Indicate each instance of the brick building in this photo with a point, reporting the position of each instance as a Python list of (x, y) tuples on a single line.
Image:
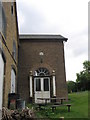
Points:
[(8, 51), (41, 71), (31, 65)]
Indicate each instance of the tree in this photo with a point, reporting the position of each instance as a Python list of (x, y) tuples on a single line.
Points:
[(71, 86), (83, 78)]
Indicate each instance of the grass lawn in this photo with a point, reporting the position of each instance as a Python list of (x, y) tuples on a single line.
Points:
[(79, 108)]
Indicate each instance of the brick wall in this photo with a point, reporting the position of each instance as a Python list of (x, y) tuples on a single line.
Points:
[(7, 48), (29, 60)]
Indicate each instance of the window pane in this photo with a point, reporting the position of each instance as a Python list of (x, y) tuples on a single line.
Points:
[(12, 9), (42, 72), (1, 79), (14, 50), (46, 85), (38, 85), (13, 76)]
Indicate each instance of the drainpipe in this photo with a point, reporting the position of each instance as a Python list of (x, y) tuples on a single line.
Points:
[(30, 78), (54, 83)]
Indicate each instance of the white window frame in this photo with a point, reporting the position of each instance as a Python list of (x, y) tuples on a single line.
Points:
[(13, 80), (1, 80)]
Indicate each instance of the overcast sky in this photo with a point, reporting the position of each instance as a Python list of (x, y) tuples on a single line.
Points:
[(68, 18)]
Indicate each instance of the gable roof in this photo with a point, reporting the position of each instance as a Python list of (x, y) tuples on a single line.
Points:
[(41, 37)]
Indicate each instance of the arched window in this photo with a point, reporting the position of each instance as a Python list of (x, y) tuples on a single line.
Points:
[(1, 79), (41, 72), (13, 80), (14, 50)]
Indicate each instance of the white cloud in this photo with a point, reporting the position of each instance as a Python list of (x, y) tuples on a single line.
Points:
[(66, 17), (74, 65)]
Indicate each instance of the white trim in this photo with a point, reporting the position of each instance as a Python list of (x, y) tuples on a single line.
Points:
[(30, 86), (13, 81), (41, 84), (54, 86), (1, 80)]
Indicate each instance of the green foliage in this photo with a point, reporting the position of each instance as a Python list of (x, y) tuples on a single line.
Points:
[(86, 65), (71, 86), (83, 78)]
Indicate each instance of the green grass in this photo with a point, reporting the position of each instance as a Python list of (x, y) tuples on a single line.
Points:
[(79, 108)]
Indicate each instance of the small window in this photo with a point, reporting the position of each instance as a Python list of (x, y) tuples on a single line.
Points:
[(12, 9), (1, 79), (14, 50), (13, 80), (46, 85), (38, 85)]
